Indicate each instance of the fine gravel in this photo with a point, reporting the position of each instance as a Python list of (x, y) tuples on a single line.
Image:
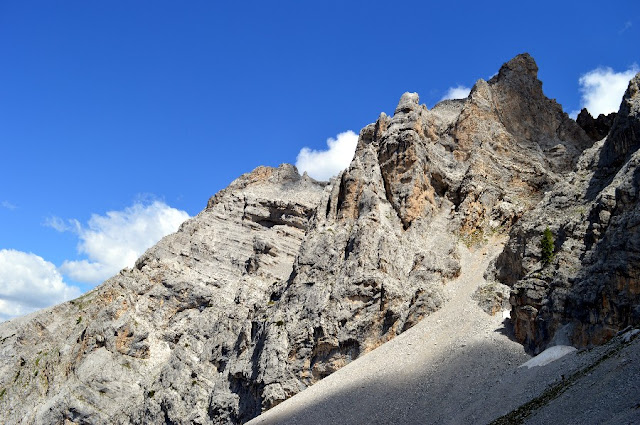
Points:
[(457, 366)]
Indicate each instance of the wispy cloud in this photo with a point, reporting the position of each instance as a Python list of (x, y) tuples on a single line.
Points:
[(115, 240), (62, 225), (627, 25), (602, 89), (324, 164), (8, 205), (28, 283), (458, 92)]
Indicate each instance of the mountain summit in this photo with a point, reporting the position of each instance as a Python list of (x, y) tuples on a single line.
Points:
[(283, 280)]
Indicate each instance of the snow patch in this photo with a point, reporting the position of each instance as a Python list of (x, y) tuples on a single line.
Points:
[(549, 355), (627, 337)]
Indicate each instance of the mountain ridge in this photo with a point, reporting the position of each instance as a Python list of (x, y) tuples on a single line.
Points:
[(282, 280)]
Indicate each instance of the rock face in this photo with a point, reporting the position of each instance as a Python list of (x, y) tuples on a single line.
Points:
[(596, 128), (282, 280), (152, 344), (591, 289)]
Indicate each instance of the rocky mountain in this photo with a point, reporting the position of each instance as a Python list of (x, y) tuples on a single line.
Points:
[(283, 280), (590, 290)]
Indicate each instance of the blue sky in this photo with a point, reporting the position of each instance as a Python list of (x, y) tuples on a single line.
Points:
[(118, 119)]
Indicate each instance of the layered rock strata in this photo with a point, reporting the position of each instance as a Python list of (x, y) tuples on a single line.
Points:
[(282, 280), (172, 339)]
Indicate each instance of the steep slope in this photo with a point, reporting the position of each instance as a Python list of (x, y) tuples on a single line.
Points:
[(404, 381), (451, 371), (282, 280), (146, 346), (590, 290)]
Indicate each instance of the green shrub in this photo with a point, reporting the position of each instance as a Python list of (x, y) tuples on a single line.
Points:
[(547, 246)]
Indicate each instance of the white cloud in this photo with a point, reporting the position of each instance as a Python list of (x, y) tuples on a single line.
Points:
[(602, 89), (322, 165), (459, 92), (28, 283), (61, 226), (115, 240), (8, 205)]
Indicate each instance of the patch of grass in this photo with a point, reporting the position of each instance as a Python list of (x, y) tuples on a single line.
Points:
[(2, 393), (78, 320), (280, 323), (473, 239), (498, 230)]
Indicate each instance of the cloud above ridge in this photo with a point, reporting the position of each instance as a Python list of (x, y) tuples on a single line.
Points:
[(324, 164), (115, 240), (458, 92), (8, 205), (602, 89), (29, 283)]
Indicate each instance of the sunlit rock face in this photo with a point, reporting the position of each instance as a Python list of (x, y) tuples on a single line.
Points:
[(283, 280)]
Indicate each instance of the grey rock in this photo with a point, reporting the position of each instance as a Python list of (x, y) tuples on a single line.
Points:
[(592, 282), (172, 339), (596, 128), (282, 280), (493, 297), (624, 137)]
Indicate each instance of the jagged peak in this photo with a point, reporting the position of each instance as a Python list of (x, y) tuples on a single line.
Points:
[(624, 137), (596, 128), (583, 116), (481, 94), (408, 102), (284, 172), (282, 176), (522, 65)]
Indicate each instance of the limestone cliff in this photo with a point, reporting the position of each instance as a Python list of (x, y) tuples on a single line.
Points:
[(590, 290), (282, 280), (171, 340)]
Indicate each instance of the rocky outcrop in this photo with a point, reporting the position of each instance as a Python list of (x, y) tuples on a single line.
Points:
[(382, 241), (596, 128), (282, 280), (590, 290), (174, 339)]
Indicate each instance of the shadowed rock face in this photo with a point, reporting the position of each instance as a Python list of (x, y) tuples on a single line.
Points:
[(596, 128), (590, 291), (282, 280)]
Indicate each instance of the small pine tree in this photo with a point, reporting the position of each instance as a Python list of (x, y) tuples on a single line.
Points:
[(547, 246)]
